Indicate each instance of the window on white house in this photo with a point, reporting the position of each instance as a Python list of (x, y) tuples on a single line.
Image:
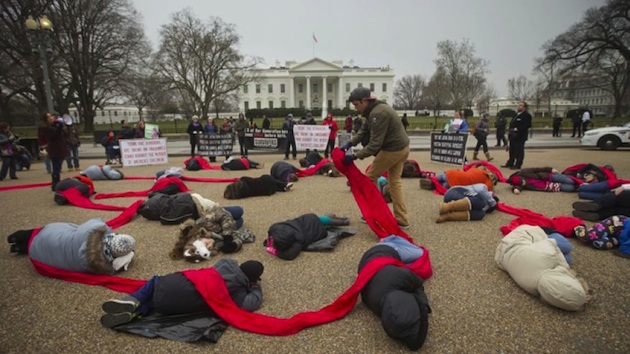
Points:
[(257, 88), (258, 104), (283, 104), (270, 104), (246, 105), (245, 88), (282, 88), (270, 88), (384, 87)]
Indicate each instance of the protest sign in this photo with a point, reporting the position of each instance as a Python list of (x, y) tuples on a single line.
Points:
[(311, 136), (449, 148), (142, 152), (215, 144), (151, 131)]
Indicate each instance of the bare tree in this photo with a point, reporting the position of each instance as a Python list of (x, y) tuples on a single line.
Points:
[(437, 91), (228, 102), (408, 92), (601, 30), (464, 73), (201, 60), (548, 71), (537, 97), (483, 102), (520, 88)]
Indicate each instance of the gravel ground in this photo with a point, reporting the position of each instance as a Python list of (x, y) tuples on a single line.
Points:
[(477, 308)]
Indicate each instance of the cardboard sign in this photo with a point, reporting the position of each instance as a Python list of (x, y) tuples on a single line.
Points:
[(143, 152), (449, 148), (265, 139), (151, 131), (215, 144), (311, 136)]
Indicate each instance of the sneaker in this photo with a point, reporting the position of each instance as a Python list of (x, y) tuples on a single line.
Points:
[(426, 183), (120, 306), (288, 187), (403, 226), (586, 215), (111, 320), (586, 206)]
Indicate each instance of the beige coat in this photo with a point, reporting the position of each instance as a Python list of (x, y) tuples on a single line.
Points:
[(537, 265)]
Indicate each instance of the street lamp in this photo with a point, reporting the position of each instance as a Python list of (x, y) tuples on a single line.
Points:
[(38, 31)]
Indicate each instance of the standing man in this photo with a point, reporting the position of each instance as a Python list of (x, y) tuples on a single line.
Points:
[(266, 122), (239, 127), (332, 125), (388, 143), (577, 124), (519, 127), (500, 124), (288, 126), (586, 120)]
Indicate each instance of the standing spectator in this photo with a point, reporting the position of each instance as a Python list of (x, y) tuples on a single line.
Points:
[(241, 125), (8, 151), (194, 129), (389, 144), (139, 130), (72, 161), (310, 119), (51, 135), (252, 124), (127, 132), (210, 128), (557, 122), (577, 124), (404, 121), (481, 131), (347, 125), (288, 126), (266, 122), (519, 127), (226, 128), (586, 120), (332, 125), (500, 124)]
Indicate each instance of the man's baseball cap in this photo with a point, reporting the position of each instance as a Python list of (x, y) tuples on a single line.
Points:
[(360, 93)]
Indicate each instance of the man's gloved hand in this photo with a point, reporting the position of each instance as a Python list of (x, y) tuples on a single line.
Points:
[(123, 261), (346, 146), (348, 159)]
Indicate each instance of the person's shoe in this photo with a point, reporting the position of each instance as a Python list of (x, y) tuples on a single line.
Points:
[(295, 157), (111, 320), (427, 184), (586, 206), (404, 226), (288, 187), (586, 215), (127, 304), (14, 177), (515, 167)]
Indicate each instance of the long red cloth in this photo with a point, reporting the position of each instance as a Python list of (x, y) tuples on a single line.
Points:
[(75, 198), (24, 186), (203, 163), (159, 184), (611, 176), (311, 170)]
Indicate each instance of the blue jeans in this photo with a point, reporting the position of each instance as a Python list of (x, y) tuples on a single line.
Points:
[(145, 296), (593, 191), (441, 177), (565, 246), (237, 214), (48, 164), (407, 251), (567, 184), (73, 157)]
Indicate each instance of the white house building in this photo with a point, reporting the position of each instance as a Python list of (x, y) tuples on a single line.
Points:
[(315, 83), (559, 107)]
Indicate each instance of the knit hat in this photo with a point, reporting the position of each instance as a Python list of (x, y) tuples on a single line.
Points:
[(404, 318), (515, 181), (119, 244), (253, 270)]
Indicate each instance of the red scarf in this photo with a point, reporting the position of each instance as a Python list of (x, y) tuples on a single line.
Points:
[(158, 185), (311, 171)]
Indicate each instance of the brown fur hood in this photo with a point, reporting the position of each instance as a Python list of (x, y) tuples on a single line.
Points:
[(99, 261)]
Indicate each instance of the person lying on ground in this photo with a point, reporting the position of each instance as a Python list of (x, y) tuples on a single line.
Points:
[(603, 234), (101, 173), (255, 186), (465, 203), (284, 171), (91, 247), (395, 294), (174, 294), (543, 179), (239, 164), (308, 232), (457, 177)]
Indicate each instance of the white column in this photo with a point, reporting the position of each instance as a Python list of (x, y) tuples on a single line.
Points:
[(340, 99), (324, 97), (307, 104), (291, 92)]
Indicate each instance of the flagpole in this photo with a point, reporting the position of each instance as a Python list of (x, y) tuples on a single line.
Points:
[(314, 44)]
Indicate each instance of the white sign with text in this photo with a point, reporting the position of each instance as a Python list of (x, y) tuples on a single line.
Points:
[(143, 152), (311, 136)]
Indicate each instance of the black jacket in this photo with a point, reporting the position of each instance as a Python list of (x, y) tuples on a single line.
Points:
[(281, 170), (169, 209), (263, 185), (519, 126), (292, 236)]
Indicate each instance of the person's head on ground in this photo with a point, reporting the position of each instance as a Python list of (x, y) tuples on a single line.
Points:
[(293, 177), (253, 270), (360, 98), (405, 318), (235, 190)]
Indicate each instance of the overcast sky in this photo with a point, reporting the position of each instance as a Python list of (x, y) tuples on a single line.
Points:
[(400, 33)]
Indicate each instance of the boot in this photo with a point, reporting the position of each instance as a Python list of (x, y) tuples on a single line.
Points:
[(488, 157), (586, 206), (475, 157), (55, 181), (454, 216), (455, 205)]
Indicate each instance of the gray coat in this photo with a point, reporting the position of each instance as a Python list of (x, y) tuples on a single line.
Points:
[(73, 247), (97, 173)]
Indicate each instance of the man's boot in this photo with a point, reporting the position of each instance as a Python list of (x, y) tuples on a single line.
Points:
[(488, 157), (475, 155), (455, 205), (454, 216), (55, 180)]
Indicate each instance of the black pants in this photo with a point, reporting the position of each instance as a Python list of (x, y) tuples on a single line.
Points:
[(577, 127), (612, 204), (241, 143), (481, 142), (193, 144), (501, 138), (290, 144), (556, 130), (517, 153), (331, 146), (585, 127), (8, 165)]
